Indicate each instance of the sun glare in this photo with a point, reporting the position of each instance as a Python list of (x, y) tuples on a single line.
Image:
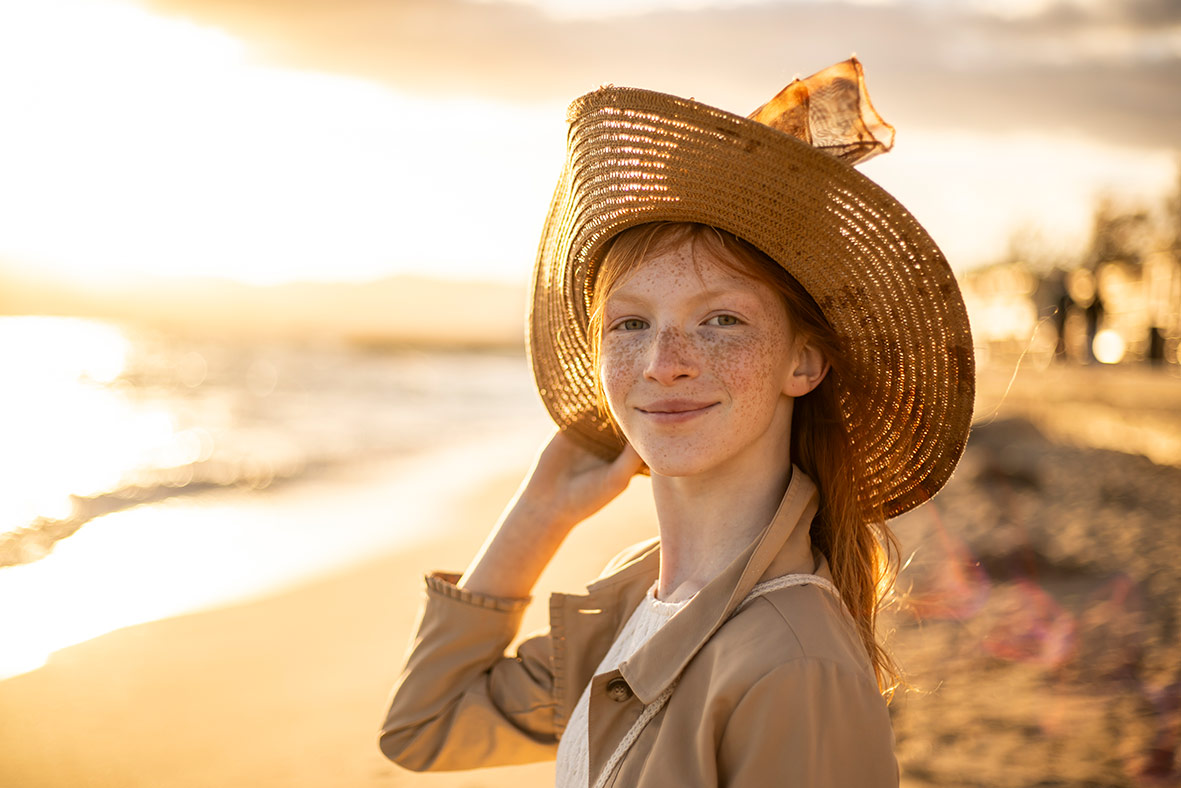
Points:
[(1108, 347), (75, 595), (138, 144), (67, 429), (142, 144)]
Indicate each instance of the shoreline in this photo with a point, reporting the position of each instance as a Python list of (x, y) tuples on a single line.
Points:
[(232, 546), (286, 689)]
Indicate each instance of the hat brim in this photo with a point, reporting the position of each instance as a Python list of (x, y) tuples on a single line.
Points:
[(636, 156)]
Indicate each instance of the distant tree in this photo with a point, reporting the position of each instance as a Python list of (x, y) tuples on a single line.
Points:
[(1119, 234), (1172, 214), (1029, 246)]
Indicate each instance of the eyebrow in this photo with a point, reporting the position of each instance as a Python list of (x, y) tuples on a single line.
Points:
[(708, 295)]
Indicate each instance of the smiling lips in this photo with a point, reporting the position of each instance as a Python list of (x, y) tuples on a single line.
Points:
[(675, 411)]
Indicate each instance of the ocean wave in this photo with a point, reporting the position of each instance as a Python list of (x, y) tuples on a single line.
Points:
[(103, 419)]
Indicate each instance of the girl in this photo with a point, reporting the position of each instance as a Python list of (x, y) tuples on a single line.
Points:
[(721, 302)]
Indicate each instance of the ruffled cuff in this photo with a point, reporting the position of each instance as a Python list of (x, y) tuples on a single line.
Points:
[(444, 584)]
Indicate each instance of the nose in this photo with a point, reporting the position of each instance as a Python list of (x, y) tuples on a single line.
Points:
[(671, 358)]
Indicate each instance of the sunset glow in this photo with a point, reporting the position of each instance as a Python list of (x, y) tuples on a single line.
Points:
[(143, 144), (268, 331), (74, 430), (151, 145)]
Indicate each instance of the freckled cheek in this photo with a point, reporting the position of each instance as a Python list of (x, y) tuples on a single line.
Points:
[(749, 369), (618, 371)]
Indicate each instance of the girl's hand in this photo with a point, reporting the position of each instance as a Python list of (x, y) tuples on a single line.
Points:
[(566, 485)]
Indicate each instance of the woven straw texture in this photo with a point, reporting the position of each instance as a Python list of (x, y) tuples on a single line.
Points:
[(636, 156)]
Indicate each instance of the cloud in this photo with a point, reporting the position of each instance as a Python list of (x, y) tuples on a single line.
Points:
[(1107, 74), (1141, 13)]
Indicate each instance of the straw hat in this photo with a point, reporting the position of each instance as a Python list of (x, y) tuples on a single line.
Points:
[(776, 179)]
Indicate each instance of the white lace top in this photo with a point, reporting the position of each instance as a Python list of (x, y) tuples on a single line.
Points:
[(573, 767)]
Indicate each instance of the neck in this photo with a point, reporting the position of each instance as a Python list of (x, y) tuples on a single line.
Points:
[(708, 520)]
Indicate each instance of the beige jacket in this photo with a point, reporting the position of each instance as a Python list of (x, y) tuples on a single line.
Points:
[(780, 694)]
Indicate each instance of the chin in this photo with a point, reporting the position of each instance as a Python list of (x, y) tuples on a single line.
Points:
[(714, 452), (677, 461), (673, 470)]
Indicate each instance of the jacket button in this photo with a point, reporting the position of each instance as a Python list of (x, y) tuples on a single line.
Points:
[(618, 691)]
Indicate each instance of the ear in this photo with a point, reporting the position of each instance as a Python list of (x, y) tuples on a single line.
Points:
[(808, 368)]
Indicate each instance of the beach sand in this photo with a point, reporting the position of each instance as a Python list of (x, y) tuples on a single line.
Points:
[(1039, 624), (1040, 637), (288, 690)]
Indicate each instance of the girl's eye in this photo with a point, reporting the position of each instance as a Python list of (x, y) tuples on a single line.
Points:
[(723, 320), (633, 324)]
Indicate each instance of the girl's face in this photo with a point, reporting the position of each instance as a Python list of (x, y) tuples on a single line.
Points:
[(700, 365)]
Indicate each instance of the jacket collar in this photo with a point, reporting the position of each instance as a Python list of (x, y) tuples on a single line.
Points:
[(784, 546)]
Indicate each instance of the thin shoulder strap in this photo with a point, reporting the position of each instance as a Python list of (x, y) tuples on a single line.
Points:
[(785, 581), (653, 708)]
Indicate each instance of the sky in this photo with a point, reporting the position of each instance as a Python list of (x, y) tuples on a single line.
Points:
[(282, 140)]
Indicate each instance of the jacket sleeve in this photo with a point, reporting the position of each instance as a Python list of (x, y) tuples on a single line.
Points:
[(460, 702), (813, 723)]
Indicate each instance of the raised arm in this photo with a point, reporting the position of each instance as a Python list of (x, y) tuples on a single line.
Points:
[(460, 703), (566, 485)]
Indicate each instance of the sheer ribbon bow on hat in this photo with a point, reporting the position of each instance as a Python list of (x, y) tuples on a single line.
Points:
[(830, 111)]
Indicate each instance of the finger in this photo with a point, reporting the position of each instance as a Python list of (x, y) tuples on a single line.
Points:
[(626, 465)]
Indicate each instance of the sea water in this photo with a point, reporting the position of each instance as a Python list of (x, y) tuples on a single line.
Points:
[(146, 475)]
